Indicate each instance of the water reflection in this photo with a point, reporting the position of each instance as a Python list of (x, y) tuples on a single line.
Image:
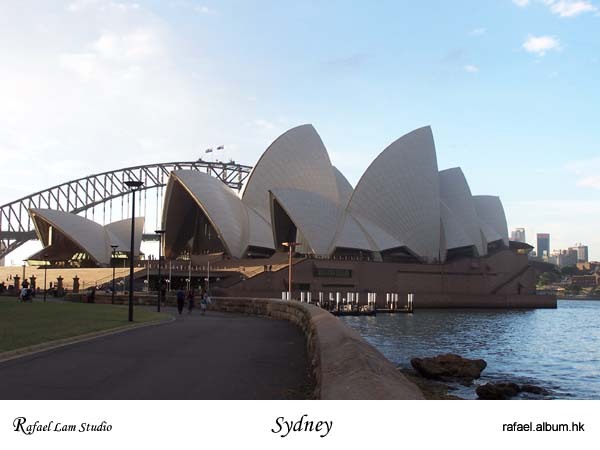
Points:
[(557, 349)]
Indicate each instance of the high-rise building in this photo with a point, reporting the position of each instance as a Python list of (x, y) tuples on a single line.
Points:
[(543, 245), (518, 235), (564, 258), (582, 252)]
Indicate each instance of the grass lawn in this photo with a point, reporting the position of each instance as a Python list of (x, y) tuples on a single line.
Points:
[(25, 324)]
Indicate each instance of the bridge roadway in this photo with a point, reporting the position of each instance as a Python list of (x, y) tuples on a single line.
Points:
[(216, 356)]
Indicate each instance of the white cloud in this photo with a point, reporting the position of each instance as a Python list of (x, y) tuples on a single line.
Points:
[(85, 65), (129, 46), (471, 68), (570, 8), (265, 124), (541, 44), (563, 8), (203, 9), (592, 181), (116, 56), (478, 31), (586, 172), (81, 5), (109, 87)]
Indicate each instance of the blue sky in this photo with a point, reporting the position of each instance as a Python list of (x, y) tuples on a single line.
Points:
[(509, 87)]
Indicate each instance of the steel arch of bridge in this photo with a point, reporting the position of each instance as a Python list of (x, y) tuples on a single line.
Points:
[(85, 193)]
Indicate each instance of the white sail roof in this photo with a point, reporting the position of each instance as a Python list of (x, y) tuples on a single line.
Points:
[(400, 194), (219, 203), (91, 237), (295, 160), (119, 233), (316, 217), (351, 235), (345, 189), (259, 230), (455, 235), (492, 218), (456, 195), (400, 202)]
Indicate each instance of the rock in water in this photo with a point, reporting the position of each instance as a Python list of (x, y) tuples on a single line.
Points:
[(449, 366), (533, 389), (497, 391)]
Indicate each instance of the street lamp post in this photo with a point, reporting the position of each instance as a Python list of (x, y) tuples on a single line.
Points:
[(160, 235), (24, 279), (45, 273), (134, 185), (291, 246), (114, 248), (208, 279)]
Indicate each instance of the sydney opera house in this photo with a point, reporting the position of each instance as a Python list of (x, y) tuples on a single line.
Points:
[(402, 209), (406, 227), (66, 236)]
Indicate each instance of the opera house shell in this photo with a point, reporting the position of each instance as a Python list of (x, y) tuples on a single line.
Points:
[(405, 228), (403, 208), (68, 237)]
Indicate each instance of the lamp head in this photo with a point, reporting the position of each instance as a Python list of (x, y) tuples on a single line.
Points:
[(134, 184)]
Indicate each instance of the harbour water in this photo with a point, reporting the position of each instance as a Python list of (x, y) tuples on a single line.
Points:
[(558, 349)]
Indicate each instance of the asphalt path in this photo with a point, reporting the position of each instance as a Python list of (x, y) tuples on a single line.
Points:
[(215, 356)]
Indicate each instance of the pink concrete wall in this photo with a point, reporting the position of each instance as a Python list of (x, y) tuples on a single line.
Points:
[(501, 280)]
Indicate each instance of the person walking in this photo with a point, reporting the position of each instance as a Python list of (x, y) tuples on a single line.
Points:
[(190, 297), (163, 293), (24, 296), (203, 302), (180, 300)]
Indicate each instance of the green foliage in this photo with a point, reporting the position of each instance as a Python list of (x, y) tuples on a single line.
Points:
[(569, 271), (575, 289), (549, 278)]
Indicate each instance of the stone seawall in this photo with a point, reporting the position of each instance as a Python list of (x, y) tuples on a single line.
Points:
[(344, 365)]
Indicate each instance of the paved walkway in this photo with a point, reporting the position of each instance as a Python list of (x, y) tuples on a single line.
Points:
[(216, 356)]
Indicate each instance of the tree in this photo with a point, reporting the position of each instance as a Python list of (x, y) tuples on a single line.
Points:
[(549, 277), (575, 289), (569, 271)]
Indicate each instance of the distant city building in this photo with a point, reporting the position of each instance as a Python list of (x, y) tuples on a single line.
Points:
[(590, 266), (585, 280), (543, 245), (563, 258), (518, 235), (582, 252)]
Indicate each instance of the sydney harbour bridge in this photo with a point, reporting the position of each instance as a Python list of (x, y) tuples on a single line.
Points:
[(104, 197)]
